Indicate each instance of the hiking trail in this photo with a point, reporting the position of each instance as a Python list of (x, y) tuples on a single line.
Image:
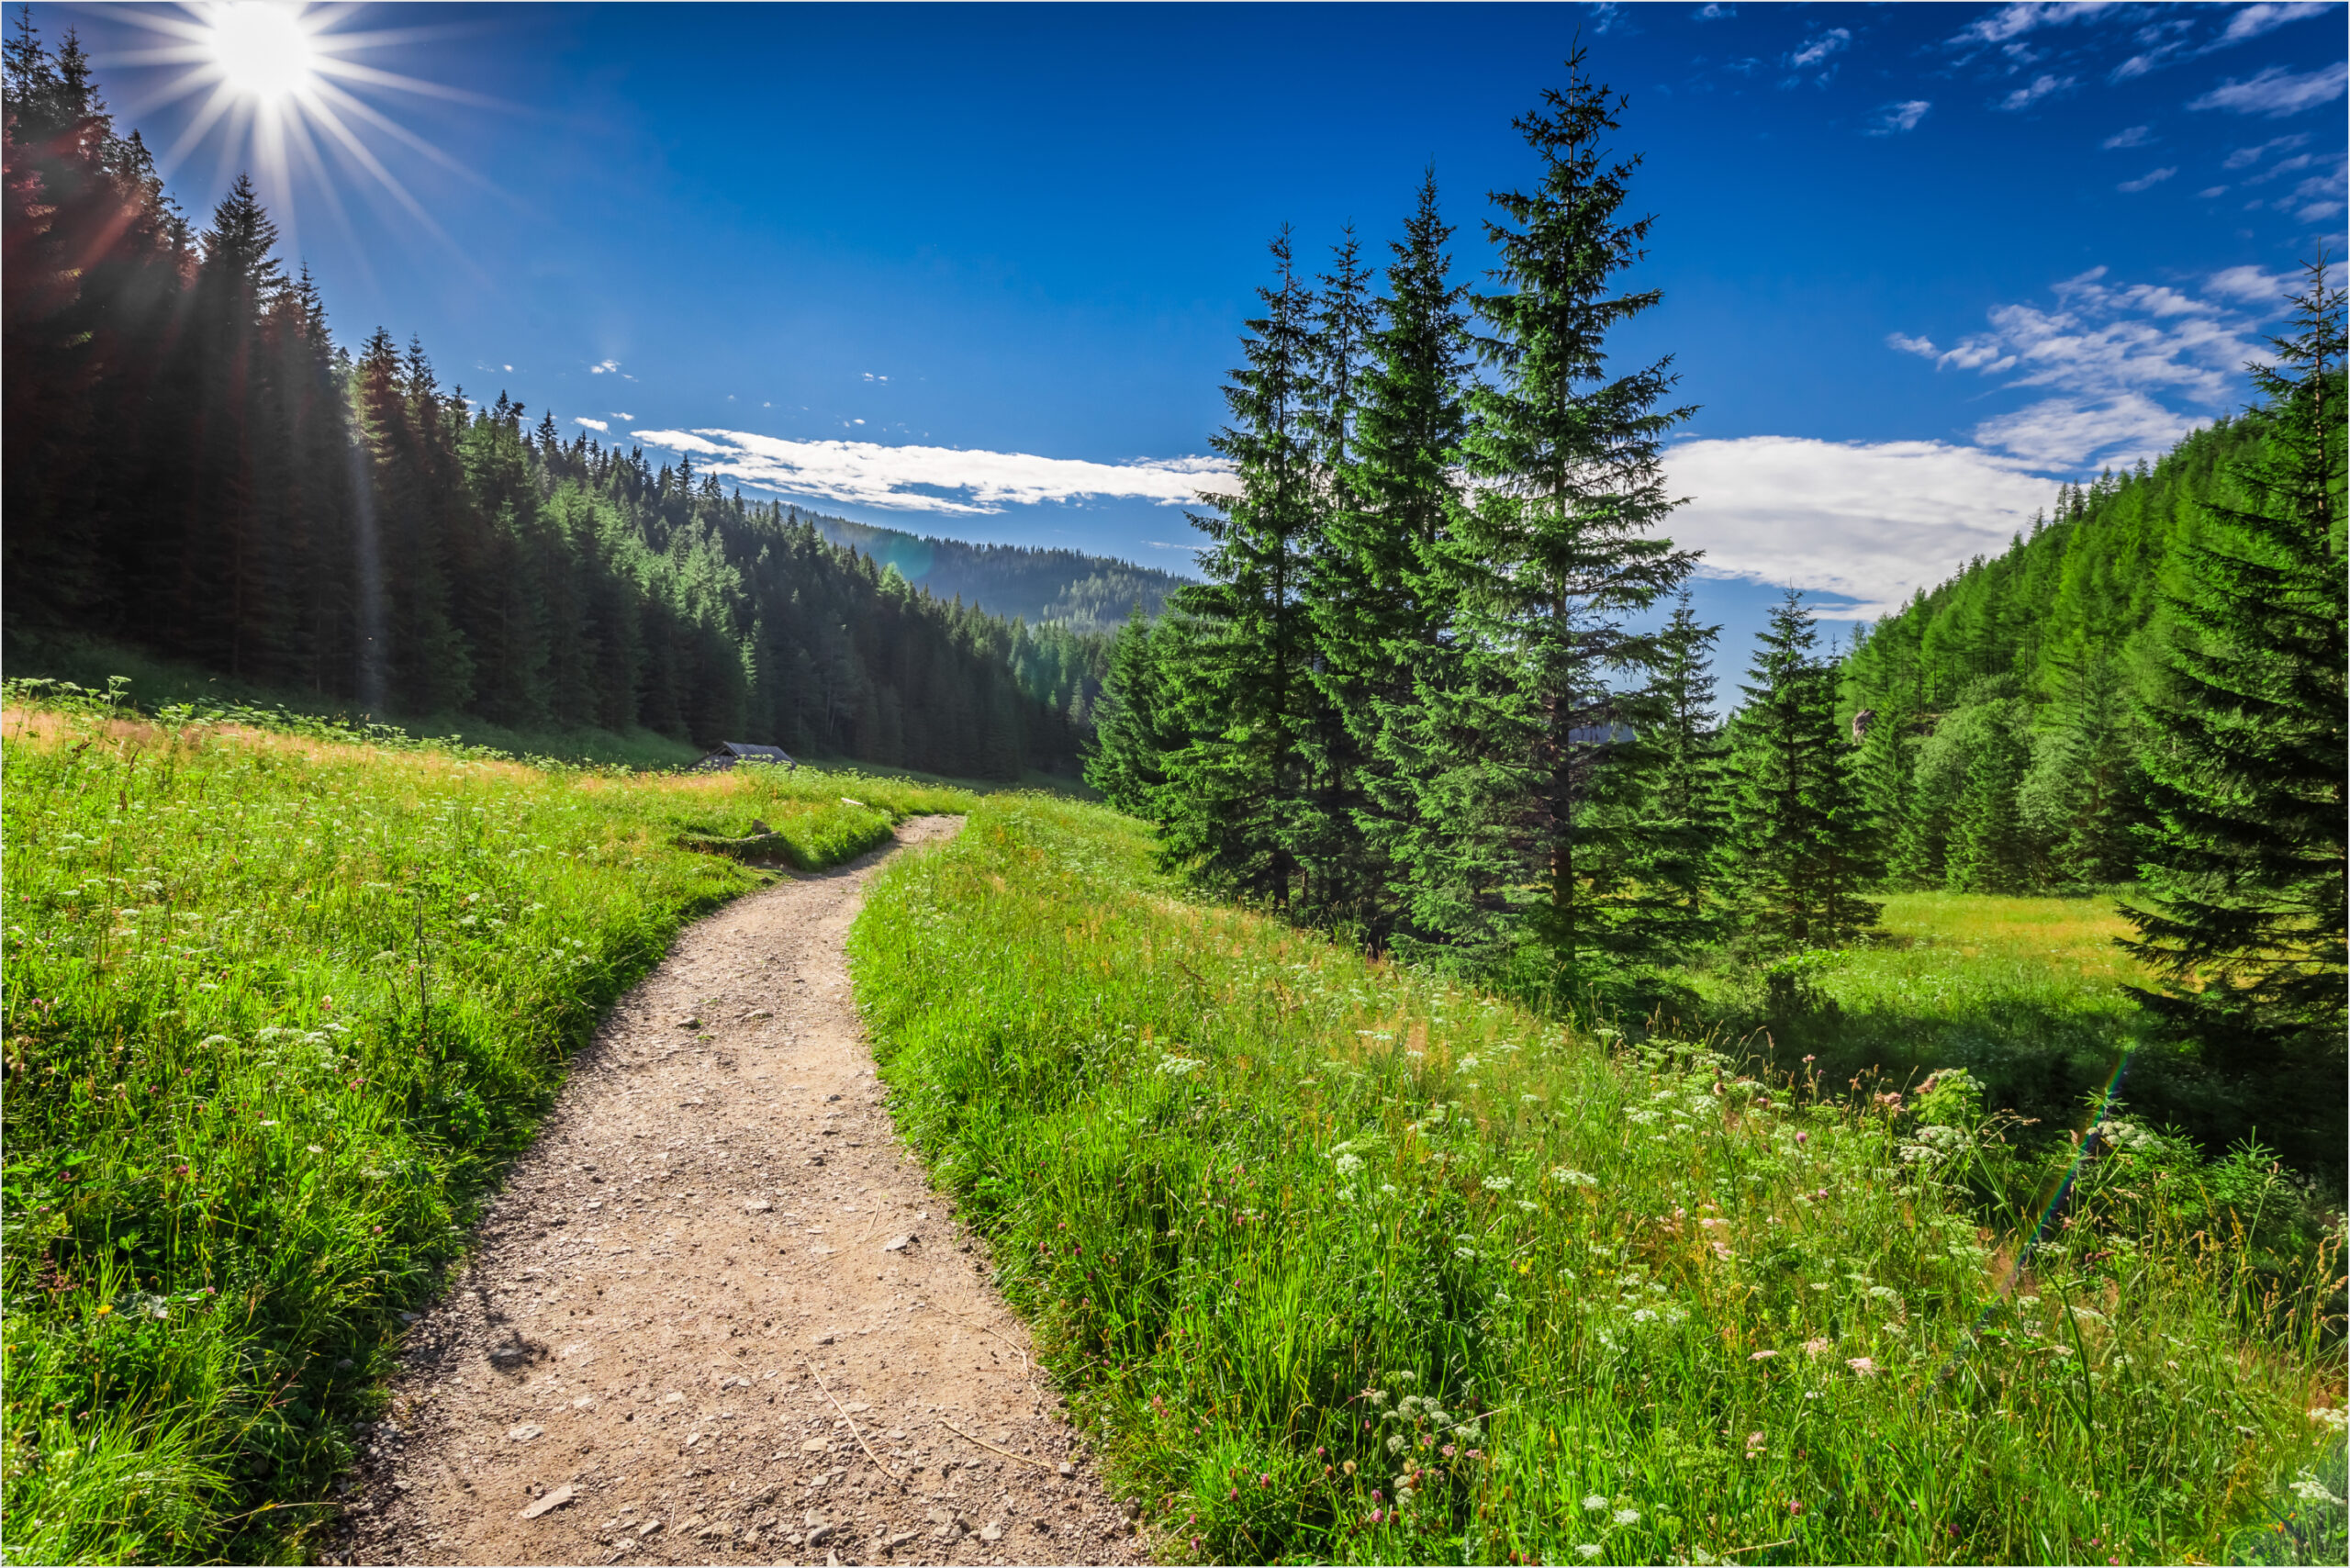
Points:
[(717, 1313)]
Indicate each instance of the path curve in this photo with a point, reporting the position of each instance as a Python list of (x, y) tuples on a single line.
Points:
[(714, 1283)]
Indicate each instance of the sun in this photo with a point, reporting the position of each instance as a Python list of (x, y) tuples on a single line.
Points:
[(261, 50), (280, 91)]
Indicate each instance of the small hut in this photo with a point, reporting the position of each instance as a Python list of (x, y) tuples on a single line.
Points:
[(729, 753)]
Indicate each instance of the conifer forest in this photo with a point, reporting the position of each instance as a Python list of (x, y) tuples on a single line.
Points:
[(1414, 1045)]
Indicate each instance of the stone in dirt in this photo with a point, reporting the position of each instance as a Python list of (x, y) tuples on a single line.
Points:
[(551, 1501), (523, 1433), (899, 1245)]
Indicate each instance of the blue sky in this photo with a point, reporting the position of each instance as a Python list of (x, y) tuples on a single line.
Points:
[(980, 271)]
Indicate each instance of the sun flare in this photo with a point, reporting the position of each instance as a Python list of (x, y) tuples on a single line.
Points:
[(280, 91), (263, 50)]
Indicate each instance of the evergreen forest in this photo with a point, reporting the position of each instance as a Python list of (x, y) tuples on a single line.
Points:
[(194, 466), (1444, 692), (1041, 586)]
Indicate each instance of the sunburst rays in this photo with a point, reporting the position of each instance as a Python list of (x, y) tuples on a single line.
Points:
[(282, 93)]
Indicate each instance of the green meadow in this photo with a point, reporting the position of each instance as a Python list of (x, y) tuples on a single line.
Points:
[(281, 1003), (1341, 1262)]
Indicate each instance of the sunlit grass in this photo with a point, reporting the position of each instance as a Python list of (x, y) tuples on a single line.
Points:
[(279, 1006), (1346, 1263)]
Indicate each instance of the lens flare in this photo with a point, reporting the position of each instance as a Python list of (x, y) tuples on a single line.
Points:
[(279, 91), (262, 50)]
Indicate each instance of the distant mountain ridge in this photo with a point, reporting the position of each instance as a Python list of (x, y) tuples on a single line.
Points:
[(1068, 588)]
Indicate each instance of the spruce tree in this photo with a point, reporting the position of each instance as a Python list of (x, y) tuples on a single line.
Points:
[(1799, 847), (1340, 884), (2244, 863), (1570, 486), (1234, 805), (1684, 811), (1988, 851), (1401, 541)]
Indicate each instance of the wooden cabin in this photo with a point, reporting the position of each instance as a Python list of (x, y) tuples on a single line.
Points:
[(729, 753)]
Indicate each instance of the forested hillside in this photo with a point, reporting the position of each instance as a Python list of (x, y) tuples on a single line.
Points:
[(192, 464), (2002, 705), (1041, 586), (1424, 698)]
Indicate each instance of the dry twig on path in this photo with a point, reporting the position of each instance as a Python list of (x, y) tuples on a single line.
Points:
[(1022, 1458), (895, 1480)]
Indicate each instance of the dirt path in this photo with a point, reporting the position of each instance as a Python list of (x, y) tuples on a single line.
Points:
[(718, 1316)]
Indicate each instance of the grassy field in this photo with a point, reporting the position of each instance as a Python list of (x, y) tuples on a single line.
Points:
[(2027, 995), (1343, 1263), (279, 1007)]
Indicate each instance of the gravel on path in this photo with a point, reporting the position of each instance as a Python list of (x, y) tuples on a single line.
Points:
[(717, 1315)]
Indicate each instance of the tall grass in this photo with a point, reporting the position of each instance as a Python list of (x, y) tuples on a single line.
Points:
[(279, 1006), (2029, 995), (1343, 1262)]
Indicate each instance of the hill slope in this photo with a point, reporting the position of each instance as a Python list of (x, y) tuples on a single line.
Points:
[(1068, 588)]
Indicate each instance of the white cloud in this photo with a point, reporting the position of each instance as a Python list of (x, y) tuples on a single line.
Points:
[(2136, 136), (2254, 21), (1894, 119), (1816, 49), (621, 416), (605, 367), (2209, 192), (2250, 285), (933, 479), (2276, 92), (2040, 87), (2146, 180), (2245, 157), (2014, 22), (1875, 520), (2113, 359), (597, 425), (2064, 432), (1713, 12)]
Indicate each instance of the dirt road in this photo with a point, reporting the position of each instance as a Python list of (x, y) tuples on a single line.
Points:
[(718, 1316)]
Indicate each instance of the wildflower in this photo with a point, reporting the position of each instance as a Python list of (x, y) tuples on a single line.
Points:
[(1803, 1138), (1574, 1177), (1594, 1503), (1587, 1551), (1863, 1365), (313, 1149), (1816, 1347), (2310, 1489), (1626, 1516), (2328, 1417), (1763, 1355), (1496, 1183)]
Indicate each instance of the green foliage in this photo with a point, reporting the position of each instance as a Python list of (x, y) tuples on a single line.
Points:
[(1235, 803), (284, 998), (1067, 588), (2245, 918), (1801, 845), (194, 466), (1343, 1262)]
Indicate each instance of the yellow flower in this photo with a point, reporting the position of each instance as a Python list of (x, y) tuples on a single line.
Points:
[(104, 1309)]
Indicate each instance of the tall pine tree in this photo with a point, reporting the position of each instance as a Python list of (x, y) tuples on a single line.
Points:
[(1237, 796), (2245, 864), (1529, 739), (1800, 846)]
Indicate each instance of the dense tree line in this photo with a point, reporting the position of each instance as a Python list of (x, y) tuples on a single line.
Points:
[(194, 464), (2005, 707), (1039, 586), (1429, 693)]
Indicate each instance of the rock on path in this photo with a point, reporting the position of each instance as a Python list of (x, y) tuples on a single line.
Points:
[(717, 1315)]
